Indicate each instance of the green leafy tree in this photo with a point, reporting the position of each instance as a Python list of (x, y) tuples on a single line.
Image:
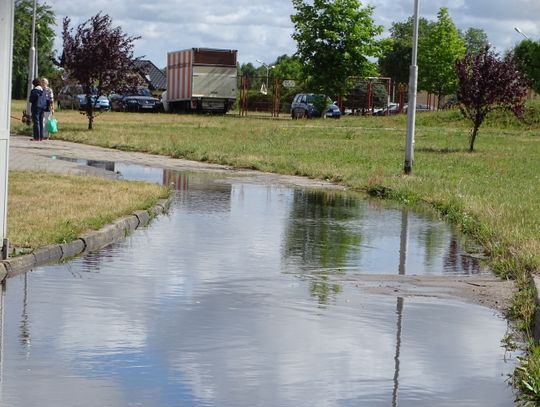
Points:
[(22, 37), (357, 98), (438, 52), (396, 57), (247, 69), (487, 83), (335, 38), (527, 55), (288, 67), (475, 39)]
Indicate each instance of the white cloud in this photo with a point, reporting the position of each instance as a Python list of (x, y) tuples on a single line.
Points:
[(261, 29)]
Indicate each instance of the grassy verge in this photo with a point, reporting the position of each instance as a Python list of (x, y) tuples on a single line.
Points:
[(47, 208), (493, 194)]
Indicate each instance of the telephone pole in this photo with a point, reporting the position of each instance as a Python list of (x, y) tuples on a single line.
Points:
[(7, 11), (411, 107)]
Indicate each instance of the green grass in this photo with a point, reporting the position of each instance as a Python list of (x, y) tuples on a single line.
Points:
[(65, 206), (492, 194)]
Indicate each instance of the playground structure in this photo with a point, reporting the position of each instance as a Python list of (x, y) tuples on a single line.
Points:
[(368, 96), (257, 98)]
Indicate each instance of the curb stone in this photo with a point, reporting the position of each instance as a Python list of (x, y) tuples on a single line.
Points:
[(87, 242), (20, 264), (3, 271), (72, 249), (536, 331), (48, 254), (143, 216), (128, 224)]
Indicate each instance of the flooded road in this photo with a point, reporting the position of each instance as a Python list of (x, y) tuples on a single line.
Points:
[(240, 296)]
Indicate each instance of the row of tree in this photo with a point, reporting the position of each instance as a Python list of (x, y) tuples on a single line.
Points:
[(336, 41)]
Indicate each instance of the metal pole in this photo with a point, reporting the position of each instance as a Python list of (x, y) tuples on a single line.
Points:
[(522, 33), (6, 55), (32, 66), (411, 108)]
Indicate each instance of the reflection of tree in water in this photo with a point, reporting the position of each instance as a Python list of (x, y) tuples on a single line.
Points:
[(320, 237), (456, 260), (433, 239), (323, 290)]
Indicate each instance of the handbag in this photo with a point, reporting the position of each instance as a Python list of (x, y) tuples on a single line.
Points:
[(52, 125)]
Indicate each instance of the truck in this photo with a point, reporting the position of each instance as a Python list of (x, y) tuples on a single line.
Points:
[(200, 80)]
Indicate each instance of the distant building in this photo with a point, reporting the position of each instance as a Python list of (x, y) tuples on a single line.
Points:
[(154, 77)]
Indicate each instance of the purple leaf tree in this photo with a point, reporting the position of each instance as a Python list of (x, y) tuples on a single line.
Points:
[(100, 58), (487, 83)]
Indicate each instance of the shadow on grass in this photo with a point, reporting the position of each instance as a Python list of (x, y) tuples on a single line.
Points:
[(445, 150)]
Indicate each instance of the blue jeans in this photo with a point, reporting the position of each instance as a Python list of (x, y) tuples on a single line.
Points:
[(37, 124)]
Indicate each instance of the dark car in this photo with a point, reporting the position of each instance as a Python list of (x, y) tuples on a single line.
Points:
[(304, 105), (141, 100), (73, 97)]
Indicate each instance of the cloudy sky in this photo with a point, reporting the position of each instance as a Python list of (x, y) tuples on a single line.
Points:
[(261, 29)]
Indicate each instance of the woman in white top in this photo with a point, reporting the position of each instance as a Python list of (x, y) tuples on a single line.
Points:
[(49, 110)]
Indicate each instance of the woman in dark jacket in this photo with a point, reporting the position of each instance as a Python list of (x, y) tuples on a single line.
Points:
[(38, 103)]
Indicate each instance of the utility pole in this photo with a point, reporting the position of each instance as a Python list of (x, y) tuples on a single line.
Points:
[(7, 11), (411, 107), (32, 64)]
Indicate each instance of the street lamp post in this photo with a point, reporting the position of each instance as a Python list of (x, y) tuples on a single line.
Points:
[(32, 65), (6, 55), (522, 33), (267, 70), (411, 108)]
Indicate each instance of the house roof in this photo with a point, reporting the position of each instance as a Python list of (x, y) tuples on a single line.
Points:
[(155, 78)]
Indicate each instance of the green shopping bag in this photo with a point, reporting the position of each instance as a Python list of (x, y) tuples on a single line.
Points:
[(52, 125)]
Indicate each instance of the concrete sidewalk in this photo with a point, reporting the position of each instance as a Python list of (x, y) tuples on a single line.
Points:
[(51, 156)]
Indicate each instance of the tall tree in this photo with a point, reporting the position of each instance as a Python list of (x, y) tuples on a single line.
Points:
[(395, 61), (437, 55), (99, 57), (475, 39), (22, 37), (247, 69), (288, 67), (527, 54), (335, 38), (487, 83)]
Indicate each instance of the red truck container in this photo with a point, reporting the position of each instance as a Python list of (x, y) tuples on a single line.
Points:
[(201, 79)]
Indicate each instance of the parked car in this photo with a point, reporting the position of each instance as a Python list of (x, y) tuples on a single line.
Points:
[(303, 105), (392, 108), (141, 100), (73, 97), (333, 111), (420, 107)]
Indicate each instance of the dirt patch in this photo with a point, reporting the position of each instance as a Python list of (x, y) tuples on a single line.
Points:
[(488, 291)]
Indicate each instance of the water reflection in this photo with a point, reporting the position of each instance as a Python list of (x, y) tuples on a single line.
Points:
[(236, 299), (144, 343), (399, 313), (25, 328)]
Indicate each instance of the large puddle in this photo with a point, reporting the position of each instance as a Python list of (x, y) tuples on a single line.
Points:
[(232, 300)]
